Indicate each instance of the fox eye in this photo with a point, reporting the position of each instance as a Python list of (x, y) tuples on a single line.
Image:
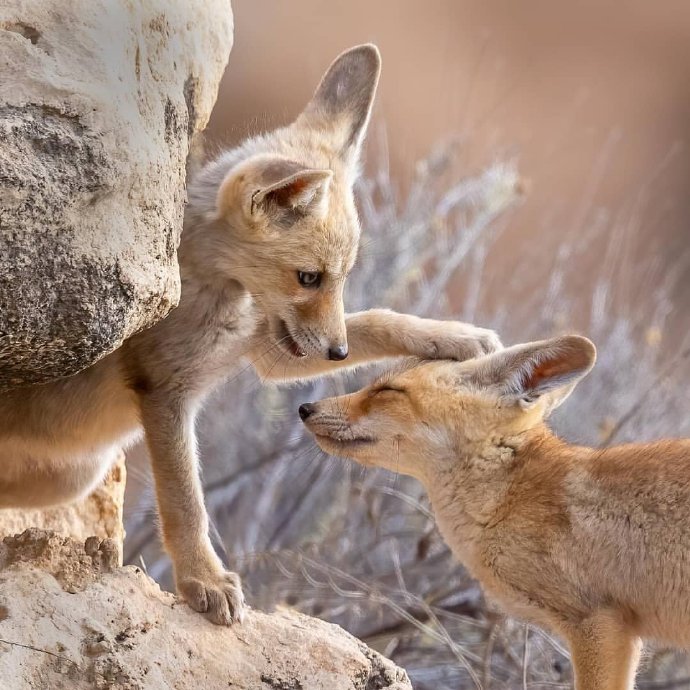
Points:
[(310, 279), (387, 389)]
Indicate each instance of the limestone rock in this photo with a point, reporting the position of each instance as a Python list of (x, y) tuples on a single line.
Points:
[(72, 564), (88, 625), (98, 102)]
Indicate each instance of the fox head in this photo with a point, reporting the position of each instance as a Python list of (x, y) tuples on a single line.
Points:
[(285, 219), (431, 413)]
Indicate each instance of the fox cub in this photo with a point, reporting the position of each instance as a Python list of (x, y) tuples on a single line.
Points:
[(593, 544), (270, 235)]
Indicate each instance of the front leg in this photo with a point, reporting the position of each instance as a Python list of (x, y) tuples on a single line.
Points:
[(199, 574), (380, 334)]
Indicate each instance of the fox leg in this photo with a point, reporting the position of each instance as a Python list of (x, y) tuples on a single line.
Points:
[(605, 653), (33, 479), (379, 334), (199, 574)]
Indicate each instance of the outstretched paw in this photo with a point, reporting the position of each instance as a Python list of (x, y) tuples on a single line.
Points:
[(219, 596), (460, 342), (487, 341)]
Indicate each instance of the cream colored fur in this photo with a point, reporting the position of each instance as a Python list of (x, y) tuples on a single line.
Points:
[(592, 544), (277, 205)]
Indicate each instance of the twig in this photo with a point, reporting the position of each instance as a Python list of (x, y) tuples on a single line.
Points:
[(664, 684), (365, 590), (43, 651), (488, 652), (525, 658)]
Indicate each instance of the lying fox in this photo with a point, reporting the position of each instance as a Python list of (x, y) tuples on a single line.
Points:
[(270, 236), (593, 544)]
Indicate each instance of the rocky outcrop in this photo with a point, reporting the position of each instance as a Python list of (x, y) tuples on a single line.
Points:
[(70, 618), (98, 102)]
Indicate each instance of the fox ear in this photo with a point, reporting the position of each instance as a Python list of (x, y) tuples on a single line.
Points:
[(274, 187), (342, 103), (546, 371), (296, 193)]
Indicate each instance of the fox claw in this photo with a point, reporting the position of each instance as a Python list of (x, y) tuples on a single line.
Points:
[(489, 341), (465, 344), (219, 597)]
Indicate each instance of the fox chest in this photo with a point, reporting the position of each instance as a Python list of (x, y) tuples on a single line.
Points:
[(215, 347), (198, 345), (513, 569)]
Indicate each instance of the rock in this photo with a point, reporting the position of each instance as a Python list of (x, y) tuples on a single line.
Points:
[(98, 515), (98, 102), (69, 619), (72, 564)]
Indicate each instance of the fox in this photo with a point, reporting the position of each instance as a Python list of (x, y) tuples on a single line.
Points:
[(270, 234), (591, 544)]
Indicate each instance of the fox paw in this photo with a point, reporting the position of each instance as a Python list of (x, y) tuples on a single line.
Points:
[(466, 343), (219, 596), (487, 341)]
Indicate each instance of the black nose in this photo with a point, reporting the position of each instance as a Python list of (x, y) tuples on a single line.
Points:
[(337, 353), (306, 410)]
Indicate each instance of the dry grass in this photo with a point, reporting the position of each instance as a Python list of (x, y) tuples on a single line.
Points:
[(360, 548)]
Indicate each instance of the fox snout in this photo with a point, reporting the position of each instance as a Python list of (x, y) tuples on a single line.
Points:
[(338, 352), (306, 410), (304, 341), (325, 419), (330, 424), (320, 325)]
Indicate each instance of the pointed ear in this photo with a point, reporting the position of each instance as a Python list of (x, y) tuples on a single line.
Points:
[(546, 371), (274, 188), (343, 100), (297, 192)]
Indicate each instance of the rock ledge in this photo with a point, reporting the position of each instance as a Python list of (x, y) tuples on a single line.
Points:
[(70, 618)]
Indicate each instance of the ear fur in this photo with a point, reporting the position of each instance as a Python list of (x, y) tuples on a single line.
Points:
[(342, 103), (546, 370), (298, 191), (274, 186)]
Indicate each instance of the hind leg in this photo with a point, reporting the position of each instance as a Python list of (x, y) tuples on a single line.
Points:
[(29, 481)]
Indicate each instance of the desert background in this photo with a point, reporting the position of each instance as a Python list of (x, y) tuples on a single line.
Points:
[(590, 98), (536, 155)]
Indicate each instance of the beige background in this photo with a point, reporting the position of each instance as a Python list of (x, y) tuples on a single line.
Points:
[(592, 98)]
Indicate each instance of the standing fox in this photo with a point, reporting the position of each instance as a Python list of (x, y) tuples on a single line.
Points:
[(270, 236), (594, 544)]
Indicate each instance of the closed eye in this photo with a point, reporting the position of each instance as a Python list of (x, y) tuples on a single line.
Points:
[(388, 389)]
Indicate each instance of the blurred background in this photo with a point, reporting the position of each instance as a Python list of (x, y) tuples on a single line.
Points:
[(592, 98), (527, 168)]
